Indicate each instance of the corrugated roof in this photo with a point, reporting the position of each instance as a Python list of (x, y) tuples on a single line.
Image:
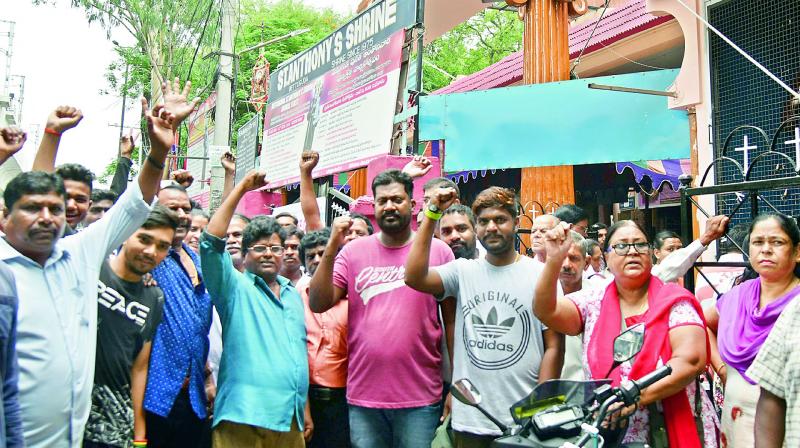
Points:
[(617, 24)]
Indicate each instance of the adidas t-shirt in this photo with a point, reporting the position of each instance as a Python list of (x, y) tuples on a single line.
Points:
[(498, 341), (393, 334)]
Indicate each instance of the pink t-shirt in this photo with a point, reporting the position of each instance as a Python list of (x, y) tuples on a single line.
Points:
[(394, 334)]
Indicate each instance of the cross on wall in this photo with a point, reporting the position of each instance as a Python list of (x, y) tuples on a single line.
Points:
[(745, 150), (796, 143)]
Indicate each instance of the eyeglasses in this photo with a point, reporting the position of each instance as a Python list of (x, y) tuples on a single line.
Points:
[(579, 228), (260, 249), (641, 247)]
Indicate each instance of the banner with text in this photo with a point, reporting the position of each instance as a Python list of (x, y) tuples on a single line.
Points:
[(246, 147), (337, 98), (201, 134)]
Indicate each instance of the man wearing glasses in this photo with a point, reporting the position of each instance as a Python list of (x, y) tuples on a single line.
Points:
[(265, 359)]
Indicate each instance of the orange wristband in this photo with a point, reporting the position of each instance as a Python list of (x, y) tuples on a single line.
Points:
[(52, 131)]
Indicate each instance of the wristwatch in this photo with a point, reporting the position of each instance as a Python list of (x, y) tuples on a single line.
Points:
[(433, 212)]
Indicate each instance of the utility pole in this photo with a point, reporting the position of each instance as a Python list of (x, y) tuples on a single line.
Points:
[(223, 111)]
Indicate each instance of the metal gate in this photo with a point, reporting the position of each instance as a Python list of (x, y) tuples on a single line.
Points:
[(759, 195)]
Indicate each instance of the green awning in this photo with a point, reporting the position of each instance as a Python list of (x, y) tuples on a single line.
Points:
[(562, 123)]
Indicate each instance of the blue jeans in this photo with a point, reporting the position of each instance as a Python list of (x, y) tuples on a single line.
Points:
[(397, 428)]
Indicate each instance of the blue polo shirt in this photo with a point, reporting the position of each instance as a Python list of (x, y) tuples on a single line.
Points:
[(263, 373)]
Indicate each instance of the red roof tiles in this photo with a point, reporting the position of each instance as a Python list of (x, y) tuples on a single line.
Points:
[(617, 24)]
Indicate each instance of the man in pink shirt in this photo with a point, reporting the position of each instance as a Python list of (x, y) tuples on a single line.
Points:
[(393, 381)]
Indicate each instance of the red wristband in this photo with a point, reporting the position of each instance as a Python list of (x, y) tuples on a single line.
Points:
[(52, 131)]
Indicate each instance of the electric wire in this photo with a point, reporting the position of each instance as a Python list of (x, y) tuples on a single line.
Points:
[(586, 45)]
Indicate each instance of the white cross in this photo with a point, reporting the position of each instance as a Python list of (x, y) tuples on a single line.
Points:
[(745, 149), (796, 143)]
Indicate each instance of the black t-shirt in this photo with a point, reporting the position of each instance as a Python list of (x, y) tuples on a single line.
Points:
[(127, 317)]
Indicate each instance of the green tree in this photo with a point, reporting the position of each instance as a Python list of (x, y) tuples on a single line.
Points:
[(188, 53), (264, 21), (479, 42)]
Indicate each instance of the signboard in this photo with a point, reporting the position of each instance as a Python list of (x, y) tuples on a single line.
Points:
[(201, 134), (337, 98), (297, 211), (246, 147)]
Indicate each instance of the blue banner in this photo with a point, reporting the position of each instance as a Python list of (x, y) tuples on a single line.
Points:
[(560, 123)]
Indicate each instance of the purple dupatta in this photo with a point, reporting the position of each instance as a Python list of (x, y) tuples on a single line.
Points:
[(743, 327)]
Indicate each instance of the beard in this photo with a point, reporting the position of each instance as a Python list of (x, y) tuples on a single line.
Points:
[(499, 244), (139, 265), (463, 250), (399, 224)]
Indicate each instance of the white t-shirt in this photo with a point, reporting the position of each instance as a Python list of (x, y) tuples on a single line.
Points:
[(498, 340)]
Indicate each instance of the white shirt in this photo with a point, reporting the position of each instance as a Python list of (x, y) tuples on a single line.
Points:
[(498, 341), (57, 324)]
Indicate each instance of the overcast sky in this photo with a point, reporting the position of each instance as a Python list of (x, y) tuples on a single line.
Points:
[(64, 61)]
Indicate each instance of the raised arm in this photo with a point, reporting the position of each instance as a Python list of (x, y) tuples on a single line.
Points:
[(11, 140), (58, 122), (418, 274), (162, 122), (676, 264), (228, 161), (417, 167), (308, 199), (323, 294), (120, 181), (218, 226), (557, 313)]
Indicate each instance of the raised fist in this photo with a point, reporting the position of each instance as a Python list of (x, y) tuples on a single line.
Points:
[(126, 145), (183, 177), (11, 141), (308, 161), (228, 161), (340, 228), (254, 180), (443, 197), (63, 118)]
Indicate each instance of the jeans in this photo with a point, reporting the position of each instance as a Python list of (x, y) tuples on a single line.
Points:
[(331, 417), (397, 428), (182, 429)]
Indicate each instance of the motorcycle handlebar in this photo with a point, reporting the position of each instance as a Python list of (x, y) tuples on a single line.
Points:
[(656, 375)]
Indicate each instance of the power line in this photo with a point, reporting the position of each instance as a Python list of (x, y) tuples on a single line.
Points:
[(200, 40), (585, 45)]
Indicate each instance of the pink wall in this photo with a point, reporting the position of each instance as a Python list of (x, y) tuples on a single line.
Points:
[(364, 204), (259, 203)]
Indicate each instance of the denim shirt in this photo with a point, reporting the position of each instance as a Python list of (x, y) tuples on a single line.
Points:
[(180, 346)]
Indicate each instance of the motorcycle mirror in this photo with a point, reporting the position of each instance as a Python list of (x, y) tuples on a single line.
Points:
[(464, 391), (629, 343)]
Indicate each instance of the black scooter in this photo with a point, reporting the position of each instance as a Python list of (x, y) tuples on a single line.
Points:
[(569, 414)]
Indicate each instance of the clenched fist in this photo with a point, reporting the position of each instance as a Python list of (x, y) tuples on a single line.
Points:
[(63, 118)]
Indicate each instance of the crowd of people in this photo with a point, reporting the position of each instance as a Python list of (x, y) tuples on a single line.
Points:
[(132, 317)]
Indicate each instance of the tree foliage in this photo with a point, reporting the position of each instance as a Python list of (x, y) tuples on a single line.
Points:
[(473, 45), (177, 38)]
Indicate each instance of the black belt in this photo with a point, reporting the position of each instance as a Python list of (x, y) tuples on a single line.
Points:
[(326, 393)]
